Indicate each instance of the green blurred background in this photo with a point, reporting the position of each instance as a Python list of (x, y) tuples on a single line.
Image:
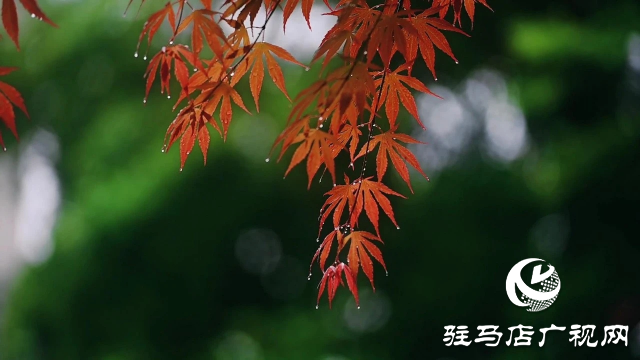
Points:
[(108, 252)]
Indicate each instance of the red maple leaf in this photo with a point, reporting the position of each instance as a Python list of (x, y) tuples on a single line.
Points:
[(325, 248), (389, 147), (429, 33), (10, 17), (332, 277), (9, 97), (469, 5)]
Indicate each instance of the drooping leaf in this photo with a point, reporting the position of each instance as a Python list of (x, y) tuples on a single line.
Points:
[(332, 277), (204, 25), (254, 60), (319, 148), (152, 25), (390, 148), (191, 125), (394, 93), (325, 248), (220, 93), (429, 37), (10, 20), (361, 249), (163, 61), (10, 17), (248, 9), (469, 6), (306, 10), (9, 97), (390, 34), (355, 197)]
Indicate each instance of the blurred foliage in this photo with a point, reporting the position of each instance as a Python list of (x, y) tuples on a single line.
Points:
[(145, 264)]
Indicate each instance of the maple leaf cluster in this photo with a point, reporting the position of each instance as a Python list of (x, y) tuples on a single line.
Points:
[(9, 96), (339, 115)]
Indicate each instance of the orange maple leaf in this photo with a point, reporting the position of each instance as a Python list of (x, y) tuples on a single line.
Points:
[(248, 9), (162, 60), (203, 23), (359, 195), (306, 10), (390, 35), (191, 124), (318, 147), (389, 147), (220, 93), (348, 131), (394, 92), (258, 52), (152, 25), (360, 251)]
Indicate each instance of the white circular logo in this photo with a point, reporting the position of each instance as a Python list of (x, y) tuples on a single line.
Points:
[(544, 288)]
